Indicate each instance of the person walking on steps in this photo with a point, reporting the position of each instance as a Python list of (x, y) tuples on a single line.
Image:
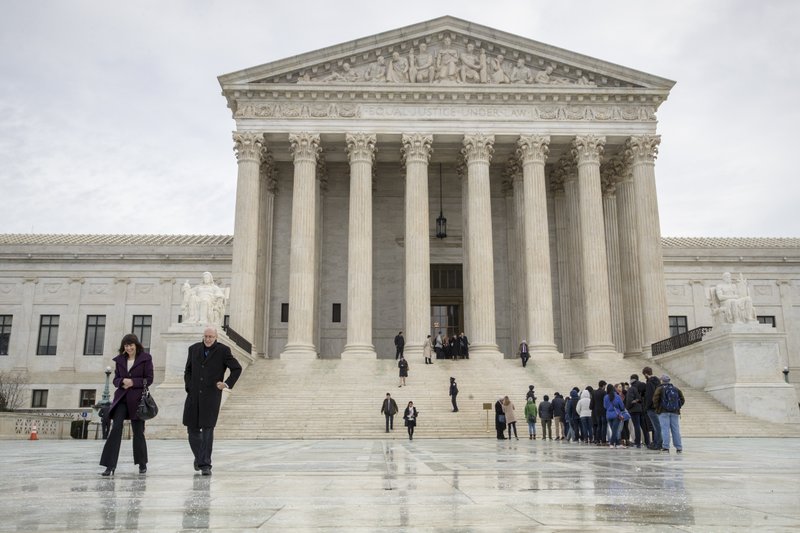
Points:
[(389, 409), (524, 354), (427, 348), (399, 344), (453, 394), (402, 364), (410, 416)]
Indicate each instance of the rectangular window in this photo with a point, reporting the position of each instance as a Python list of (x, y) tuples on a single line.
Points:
[(39, 398), (336, 316), (142, 328), (766, 319), (677, 325), (95, 335), (87, 397), (5, 333), (284, 312), (48, 335)]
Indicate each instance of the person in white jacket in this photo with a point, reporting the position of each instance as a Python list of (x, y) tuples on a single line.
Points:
[(585, 412)]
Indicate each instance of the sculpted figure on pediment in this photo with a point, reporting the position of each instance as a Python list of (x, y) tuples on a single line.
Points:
[(473, 67), (377, 71), (347, 75), (421, 66), (447, 63), (521, 73), (398, 69), (498, 74)]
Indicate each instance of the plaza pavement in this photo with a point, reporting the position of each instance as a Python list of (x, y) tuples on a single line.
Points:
[(395, 485)]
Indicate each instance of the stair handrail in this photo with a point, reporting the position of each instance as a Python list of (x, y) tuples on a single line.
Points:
[(680, 340), (240, 341)]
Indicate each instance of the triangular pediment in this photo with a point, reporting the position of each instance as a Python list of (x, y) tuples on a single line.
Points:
[(444, 52)]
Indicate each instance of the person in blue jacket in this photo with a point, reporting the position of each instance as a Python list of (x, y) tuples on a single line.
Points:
[(614, 407)]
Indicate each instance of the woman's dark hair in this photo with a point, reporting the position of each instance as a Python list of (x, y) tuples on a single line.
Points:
[(610, 391), (130, 338)]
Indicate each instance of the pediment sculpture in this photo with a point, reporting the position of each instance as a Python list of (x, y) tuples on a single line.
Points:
[(446, 63), (204, 303), (730, 302)]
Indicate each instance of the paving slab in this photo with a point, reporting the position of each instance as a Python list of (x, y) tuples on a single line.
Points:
[(389, 485)]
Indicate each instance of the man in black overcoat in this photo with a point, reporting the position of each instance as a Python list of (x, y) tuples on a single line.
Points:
[(204, 374)]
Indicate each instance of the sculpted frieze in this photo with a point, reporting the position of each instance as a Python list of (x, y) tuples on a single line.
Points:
[(445, 60), (554, 112)]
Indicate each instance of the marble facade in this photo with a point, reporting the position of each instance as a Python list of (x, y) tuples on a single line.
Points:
[(547, 162)]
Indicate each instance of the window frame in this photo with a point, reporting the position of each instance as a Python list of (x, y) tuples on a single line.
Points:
[(98, 335), (767, 319), (41, 396), (6, 322), (91, 403), (677, 327), (52, 331), (140, 334)]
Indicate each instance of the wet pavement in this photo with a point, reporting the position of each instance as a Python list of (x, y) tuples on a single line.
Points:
[(397, 485)]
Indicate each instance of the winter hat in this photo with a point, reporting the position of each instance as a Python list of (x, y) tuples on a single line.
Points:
[(665, 379)]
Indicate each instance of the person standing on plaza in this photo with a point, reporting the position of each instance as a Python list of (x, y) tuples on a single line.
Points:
[(410, 417), (389, 409), (402, 364), (530, 416), (204, 374), (633, 403), (599, 423), (453, 394), (427, 348), (464, 345), (614, 407), (584, 412), (524, 354), (651, 384), (511, 417), (546, 416), (133, 372), (499, 419), (558, 415), (668, 400), (399, 344)]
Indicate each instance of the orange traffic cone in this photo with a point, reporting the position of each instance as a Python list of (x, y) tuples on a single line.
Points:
[(34, 433)]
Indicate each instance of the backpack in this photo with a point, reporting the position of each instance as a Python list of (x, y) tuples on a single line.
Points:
[(670, 399)]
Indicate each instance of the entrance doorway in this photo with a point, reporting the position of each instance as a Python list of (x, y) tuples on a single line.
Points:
[(447, 299)]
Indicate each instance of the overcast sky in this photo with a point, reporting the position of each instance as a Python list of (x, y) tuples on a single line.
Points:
[(111, 118)]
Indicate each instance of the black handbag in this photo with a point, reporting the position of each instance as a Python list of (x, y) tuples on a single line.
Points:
[(147, 406)]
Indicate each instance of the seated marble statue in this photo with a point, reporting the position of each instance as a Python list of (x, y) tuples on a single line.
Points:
[(204, 303), (730, 302)]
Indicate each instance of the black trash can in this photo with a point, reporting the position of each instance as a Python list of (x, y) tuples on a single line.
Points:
[(79, 429)]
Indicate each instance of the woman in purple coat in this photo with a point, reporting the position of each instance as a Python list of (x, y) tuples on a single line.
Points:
[(133, 372)]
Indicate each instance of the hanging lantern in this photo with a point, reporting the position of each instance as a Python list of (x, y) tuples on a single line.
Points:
[(441, 222)]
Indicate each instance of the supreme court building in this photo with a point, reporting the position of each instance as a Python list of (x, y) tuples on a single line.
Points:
[(541, 161)]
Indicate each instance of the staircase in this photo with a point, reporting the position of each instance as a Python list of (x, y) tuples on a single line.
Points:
[(339, 399)]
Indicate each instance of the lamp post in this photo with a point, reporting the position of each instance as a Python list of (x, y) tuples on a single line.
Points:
[(786, 374), (105, 403), (441, 222)]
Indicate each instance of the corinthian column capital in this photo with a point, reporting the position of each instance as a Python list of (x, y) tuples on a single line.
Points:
[(642, 149), (247, 145), (304, 146), (360, 147), (513, 171), (478, 148), (416, 147), (588, 148), (533, 148), (268, 172)]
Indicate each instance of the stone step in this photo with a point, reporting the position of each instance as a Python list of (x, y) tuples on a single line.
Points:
[(341, 399)]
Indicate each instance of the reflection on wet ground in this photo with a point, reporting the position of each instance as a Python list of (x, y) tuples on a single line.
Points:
[(368, 485)]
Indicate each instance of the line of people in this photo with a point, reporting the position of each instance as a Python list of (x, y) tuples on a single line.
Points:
[(650, 410)]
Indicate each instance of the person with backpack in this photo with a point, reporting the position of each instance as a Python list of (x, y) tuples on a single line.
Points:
[(530, 416), (651, 384), (668, 400)]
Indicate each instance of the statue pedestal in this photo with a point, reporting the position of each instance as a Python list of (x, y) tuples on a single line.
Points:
[(170, 394), (743, 370)]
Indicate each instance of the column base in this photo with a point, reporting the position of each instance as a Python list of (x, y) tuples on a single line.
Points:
[(359, 351), (485, 351), (412, 353), (299, 352), (602, 351), (547, 351)]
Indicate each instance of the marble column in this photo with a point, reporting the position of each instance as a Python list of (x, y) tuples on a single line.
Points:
[(515, 205), (532, 151), (416, 153), (361, 153), (461, 170), (303, 268), (629, 263), (587, 150), (249, 148), (643, 150), (477, 152), (574, 258), (562, 253), (268, 189), (608, 181)]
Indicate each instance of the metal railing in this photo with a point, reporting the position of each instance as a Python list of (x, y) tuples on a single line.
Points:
[(679, 341), (240, 341)]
